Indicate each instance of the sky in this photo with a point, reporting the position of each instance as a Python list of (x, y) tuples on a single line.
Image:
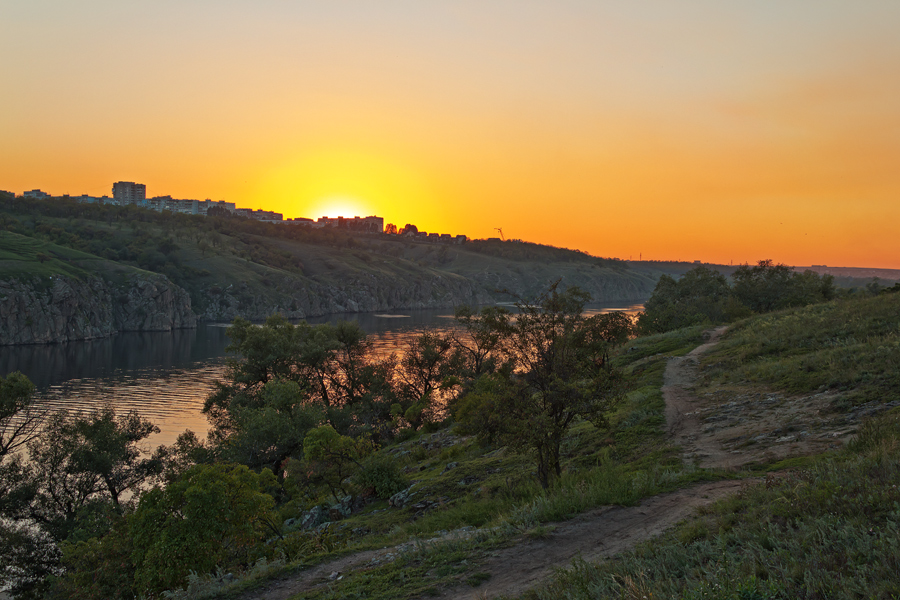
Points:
[(711, 130)]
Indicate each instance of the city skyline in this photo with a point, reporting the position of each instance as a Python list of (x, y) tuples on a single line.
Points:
[(722, 132)]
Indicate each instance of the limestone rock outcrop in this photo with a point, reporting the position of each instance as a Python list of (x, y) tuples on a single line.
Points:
[(61, 309)]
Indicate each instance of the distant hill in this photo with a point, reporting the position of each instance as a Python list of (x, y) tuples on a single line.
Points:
[(237, 267), (846, 277)]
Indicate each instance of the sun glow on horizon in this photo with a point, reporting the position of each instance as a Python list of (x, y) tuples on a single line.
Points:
[(337, 182), (341, 206)]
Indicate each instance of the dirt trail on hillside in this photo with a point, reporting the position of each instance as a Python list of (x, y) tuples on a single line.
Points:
[(682, 418), (593, 535), (730, 427)]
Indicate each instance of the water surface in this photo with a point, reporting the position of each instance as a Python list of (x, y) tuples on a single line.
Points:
[(165, 376)]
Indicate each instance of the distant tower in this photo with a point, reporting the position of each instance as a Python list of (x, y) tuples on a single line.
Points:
[(128, 192)]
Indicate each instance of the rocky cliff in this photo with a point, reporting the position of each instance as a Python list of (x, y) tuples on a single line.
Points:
[(58, 308), (298, 298)]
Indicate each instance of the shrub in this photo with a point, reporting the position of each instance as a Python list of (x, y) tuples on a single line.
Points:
[(381, 474)]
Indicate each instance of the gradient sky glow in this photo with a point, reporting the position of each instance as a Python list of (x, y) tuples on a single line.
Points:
[(696, 130)]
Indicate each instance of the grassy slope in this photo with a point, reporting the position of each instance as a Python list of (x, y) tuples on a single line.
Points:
[(201, 255), (827, 530), (497, 491), (25, 257), (850, 348)]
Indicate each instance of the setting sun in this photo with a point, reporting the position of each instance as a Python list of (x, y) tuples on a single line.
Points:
[(336, 182)]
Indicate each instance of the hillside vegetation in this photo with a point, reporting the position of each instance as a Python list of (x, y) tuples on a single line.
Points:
[(423, 509), (826, 527), (238, 267)]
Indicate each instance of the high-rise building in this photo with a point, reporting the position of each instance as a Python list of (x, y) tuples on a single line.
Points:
[(128, 192)]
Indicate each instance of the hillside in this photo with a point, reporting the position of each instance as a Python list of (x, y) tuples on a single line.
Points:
[(236, 267), (51, 293), (756, 460), (728, 472), (829, 472)]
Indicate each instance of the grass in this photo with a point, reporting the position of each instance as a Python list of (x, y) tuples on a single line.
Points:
[(819, 524), (849, 347), (495, 496), (22, 256), (829, 530), (672, 343), (417, 573)]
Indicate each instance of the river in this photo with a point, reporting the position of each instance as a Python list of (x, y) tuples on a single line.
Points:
[(166, 376)]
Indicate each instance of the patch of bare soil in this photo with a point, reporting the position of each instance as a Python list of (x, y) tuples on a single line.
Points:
[(729, 428), (593, 535), (283, 588)]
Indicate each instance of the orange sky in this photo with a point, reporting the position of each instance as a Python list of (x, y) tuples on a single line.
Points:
[(715, 130)]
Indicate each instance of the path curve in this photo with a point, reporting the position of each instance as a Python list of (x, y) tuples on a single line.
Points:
[(597, 534), (682, 421)]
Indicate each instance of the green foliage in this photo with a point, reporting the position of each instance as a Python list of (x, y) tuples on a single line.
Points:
[(766, 287), (299, 545), (98, 567), (703, 296), (19, 424), (83, 459), (828, 531), (700, 296), (213, 516), (382, 475), (30, 557), (70, 493), (847, 346), (292, 377), (556, 369), (427, 370), (331, 458)]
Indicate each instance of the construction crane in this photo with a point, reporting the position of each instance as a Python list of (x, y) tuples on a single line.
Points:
[(500, 229)]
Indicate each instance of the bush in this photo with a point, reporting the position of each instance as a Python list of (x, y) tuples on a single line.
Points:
[(382, 474)]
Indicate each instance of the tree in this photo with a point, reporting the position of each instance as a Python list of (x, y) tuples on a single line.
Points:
[(19, 424), (212, 516), (269, 428), (79, 469), (110, 447), (556, 369), (701, 295), (331, 458), (425, 372), (486, 330), (19, 419), (391, 229), (291, 378), (83, 460), (767, 286)]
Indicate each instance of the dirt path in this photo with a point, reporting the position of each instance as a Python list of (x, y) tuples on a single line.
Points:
[(285, 587), (682, 417), (592, 535), (730, 427)]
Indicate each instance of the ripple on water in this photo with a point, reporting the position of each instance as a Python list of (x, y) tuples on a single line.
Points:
[(170, 398)]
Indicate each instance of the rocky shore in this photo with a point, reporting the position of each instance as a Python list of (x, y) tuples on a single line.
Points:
[(61, 309)]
